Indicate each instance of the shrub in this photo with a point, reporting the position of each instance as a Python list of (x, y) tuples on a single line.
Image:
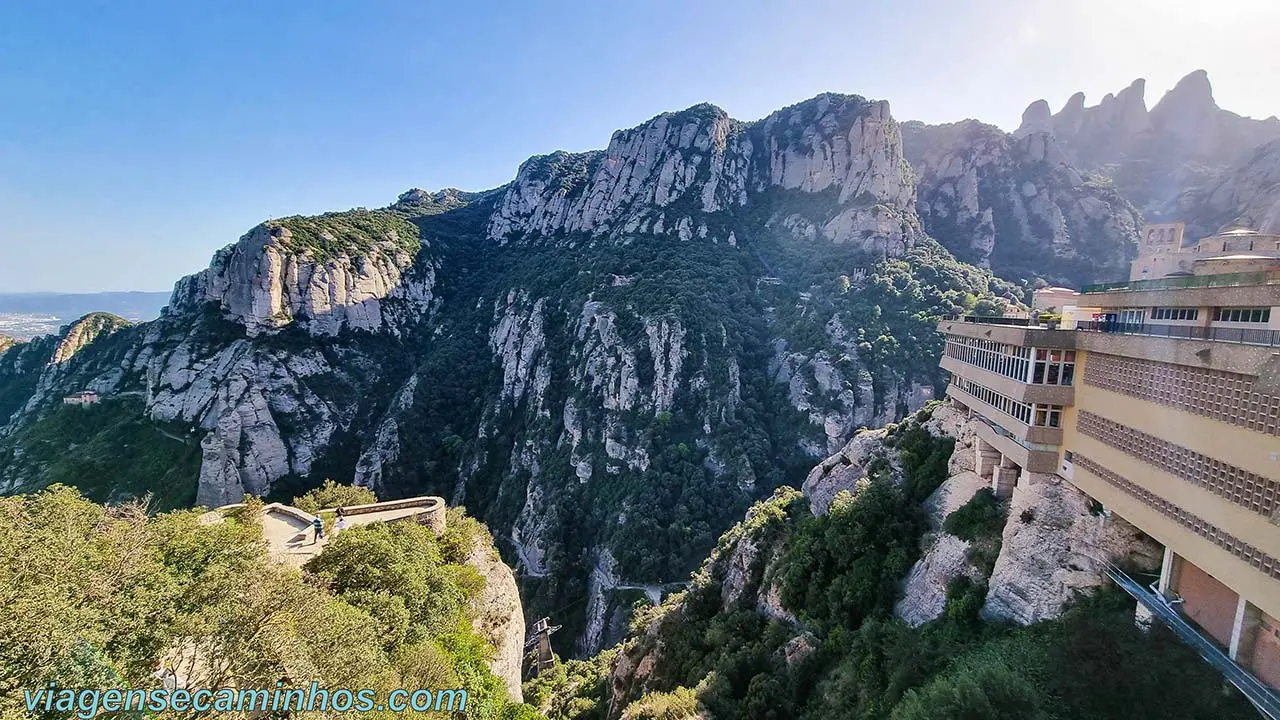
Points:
[(332, 495), (981, 517)]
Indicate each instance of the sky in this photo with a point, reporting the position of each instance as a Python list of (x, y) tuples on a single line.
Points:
[(139, 136)]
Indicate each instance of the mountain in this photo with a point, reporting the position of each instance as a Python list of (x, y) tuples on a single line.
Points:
[(1017, 205), (1061, 199), (1185, 143), (802, 610), (610, 358), (26, 315), (606, 360)]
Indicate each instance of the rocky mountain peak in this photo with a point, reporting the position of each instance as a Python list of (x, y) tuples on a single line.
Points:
[(331, 272), (1036, 118), (84, 331), (673, 174), (1188, 113)]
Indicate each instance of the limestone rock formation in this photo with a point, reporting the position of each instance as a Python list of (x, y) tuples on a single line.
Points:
[(671, 325), (273, 277), (499, 616), (1053, 548), (1015, 204), (1180, 145), (1247, 194), (678, 173)]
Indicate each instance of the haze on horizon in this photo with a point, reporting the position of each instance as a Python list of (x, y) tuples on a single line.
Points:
[(135, 141)]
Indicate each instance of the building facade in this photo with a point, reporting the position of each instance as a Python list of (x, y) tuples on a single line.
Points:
[(1164, 407)]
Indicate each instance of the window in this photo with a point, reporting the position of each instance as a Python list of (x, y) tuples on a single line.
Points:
[(1054, 367), (1133, 316), (1049, 416), (1004, 359), (1246, 315), (1018, 410), (1174, 313)]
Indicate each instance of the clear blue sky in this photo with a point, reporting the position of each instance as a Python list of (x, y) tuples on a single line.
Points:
[(136, 137)]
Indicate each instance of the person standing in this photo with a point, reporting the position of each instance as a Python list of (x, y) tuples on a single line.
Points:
[(340, 525), (318, 524)]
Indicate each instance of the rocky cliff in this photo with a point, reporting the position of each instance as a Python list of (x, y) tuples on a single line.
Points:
[(1015, 204), (1246, 194), (1185, 143), (682, 174), (606, 360), (324, 275)]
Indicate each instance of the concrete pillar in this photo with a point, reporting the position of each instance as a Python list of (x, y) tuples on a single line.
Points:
[(1005, 478), (1244, 631), (1028, 478), (986, 458), (1168, 567)]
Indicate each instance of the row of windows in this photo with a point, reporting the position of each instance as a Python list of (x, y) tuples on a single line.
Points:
[(1027, 413), (1249, 315), (1136, 316), (1174, 313), (1000, 358), (1051, 367), (1214, 534), (1244, 488)]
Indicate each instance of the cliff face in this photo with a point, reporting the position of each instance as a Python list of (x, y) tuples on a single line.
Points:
[(606, 360), (1186, 143), (1015, 204), (1063, 196), (344, 273), (682, 174), (1246, 194)]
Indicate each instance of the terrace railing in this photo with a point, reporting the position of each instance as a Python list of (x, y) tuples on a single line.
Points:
[(1243, 336)]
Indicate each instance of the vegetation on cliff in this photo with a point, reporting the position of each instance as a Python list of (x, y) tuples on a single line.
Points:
[(353, 233), (101, 596), (110, 451), (810, 633)]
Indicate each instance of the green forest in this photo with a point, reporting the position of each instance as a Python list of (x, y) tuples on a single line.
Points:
[(101, 597)]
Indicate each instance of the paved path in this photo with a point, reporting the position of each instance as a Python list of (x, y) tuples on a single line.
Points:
[(291, 539)]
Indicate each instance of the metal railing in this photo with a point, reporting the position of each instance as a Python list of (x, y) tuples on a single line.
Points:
[(1262, 697), (1190, 281), (1243, 336), (996, 320)]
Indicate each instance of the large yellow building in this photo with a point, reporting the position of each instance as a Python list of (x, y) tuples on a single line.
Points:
[(1163, 405)]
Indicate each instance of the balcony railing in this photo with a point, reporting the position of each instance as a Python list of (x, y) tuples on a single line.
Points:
[(1190, 281), (997, 320), (1243, 336)]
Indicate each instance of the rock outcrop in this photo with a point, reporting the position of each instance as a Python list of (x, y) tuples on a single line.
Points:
[(1247, 194), (499, 617), (1015, 204), (338, 272), (676, 173), (1055, 547), (1154, 156)]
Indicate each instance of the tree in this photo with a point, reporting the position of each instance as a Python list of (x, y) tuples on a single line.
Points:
[(332, 495)]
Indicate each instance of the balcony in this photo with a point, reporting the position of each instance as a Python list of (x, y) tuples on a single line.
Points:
[(1023, 432), (1011, 387), (1252, 289), (1242, 336), (1011, 331), (1192, 281)]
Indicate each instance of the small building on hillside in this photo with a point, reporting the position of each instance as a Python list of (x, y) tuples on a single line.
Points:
[(84, 397)]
